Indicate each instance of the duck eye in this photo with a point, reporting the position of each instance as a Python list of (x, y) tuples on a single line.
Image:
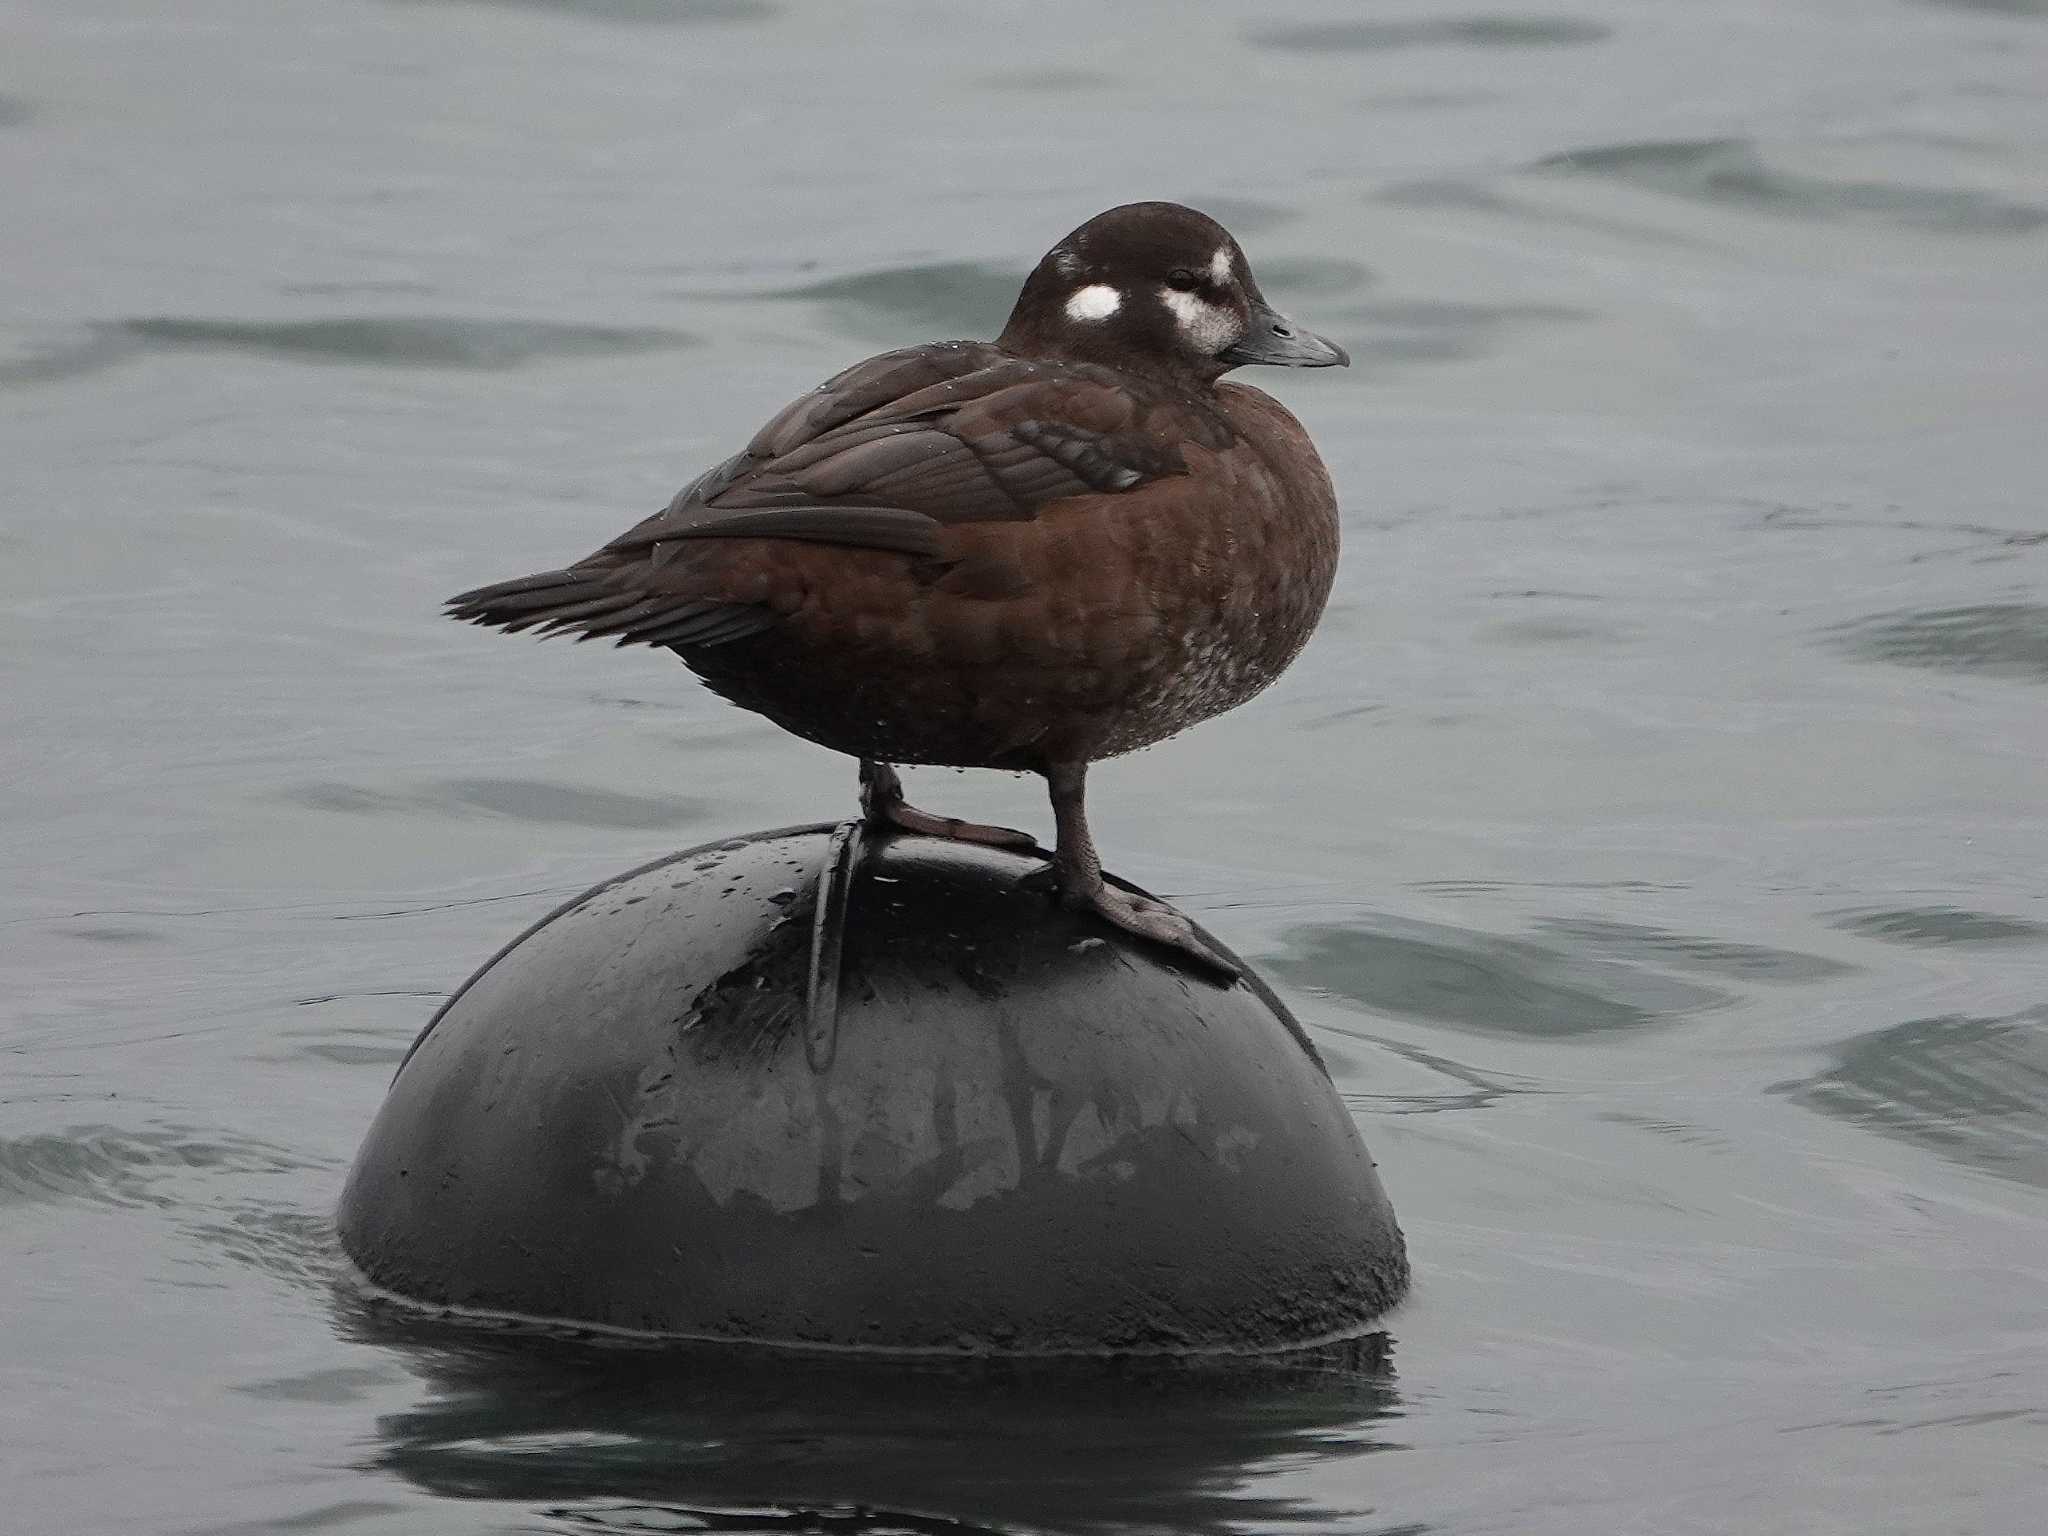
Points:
[(1183, 279)]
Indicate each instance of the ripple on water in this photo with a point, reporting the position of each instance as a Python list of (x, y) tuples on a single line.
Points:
[(1424, 1083), (532, 800), (1464, 196), (1486, 31), (1733, 172), (1482, 981), (1532, 633), (1939, 925), (333, 1385), (333, 1516), (114, 933), (1438, 331), (1050, 81), (936, 299), (1687, 952), (361, 1029), (368, 287), (1989, 639), (1969, 1087), (667, 13), (410, 341), (51, 355), (105, 1165), (1994, 7), (298, 1247)]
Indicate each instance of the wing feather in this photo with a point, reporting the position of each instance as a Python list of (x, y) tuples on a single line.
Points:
[(885, 457)]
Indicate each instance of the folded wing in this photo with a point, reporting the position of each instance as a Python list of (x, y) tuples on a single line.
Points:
[(885, 457)]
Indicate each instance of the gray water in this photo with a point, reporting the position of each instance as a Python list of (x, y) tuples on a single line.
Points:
[(1652, 838)]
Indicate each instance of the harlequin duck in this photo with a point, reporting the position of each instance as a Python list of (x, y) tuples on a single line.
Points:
[(1027, 554)]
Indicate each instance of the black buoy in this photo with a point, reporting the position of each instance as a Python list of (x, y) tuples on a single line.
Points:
[(819, 1088)]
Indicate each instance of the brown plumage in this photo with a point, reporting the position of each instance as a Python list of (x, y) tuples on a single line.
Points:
[(1026, 554)]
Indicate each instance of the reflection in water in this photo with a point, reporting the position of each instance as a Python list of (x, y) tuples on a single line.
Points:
[(1480, 980), (1731, 171), (742, 1441), (1991, 639), (1971, 1088)]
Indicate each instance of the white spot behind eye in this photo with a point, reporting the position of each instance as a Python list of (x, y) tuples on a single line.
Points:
[(1220, 266), (1098, 301), (1208, 327)]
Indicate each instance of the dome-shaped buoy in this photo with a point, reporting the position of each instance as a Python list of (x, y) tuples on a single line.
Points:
[(818, 1087)]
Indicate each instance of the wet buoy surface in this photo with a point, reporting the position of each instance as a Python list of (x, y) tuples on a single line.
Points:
[(817, 1088)]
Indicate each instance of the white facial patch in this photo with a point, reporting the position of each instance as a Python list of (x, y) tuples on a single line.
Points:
[(1098, 301), (1220, 266), (1208, 327)]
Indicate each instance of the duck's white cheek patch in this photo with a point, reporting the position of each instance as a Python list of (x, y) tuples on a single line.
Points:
[(1098, 301), (1209, 329)]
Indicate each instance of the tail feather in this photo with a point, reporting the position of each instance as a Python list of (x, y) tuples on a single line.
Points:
[(624, 621), (557, 602), (555, 617), (523, 600), (540, 581)]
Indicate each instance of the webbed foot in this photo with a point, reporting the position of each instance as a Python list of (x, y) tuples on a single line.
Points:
[(1152, 920), (882, 803), (908, 818)]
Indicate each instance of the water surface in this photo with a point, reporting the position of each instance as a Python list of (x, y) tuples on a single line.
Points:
[(1652, 838)]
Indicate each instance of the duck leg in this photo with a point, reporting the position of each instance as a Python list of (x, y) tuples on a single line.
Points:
[(882, 803), (1077, 870)]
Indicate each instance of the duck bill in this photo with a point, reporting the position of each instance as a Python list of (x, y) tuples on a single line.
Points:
[(1273, 338)]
